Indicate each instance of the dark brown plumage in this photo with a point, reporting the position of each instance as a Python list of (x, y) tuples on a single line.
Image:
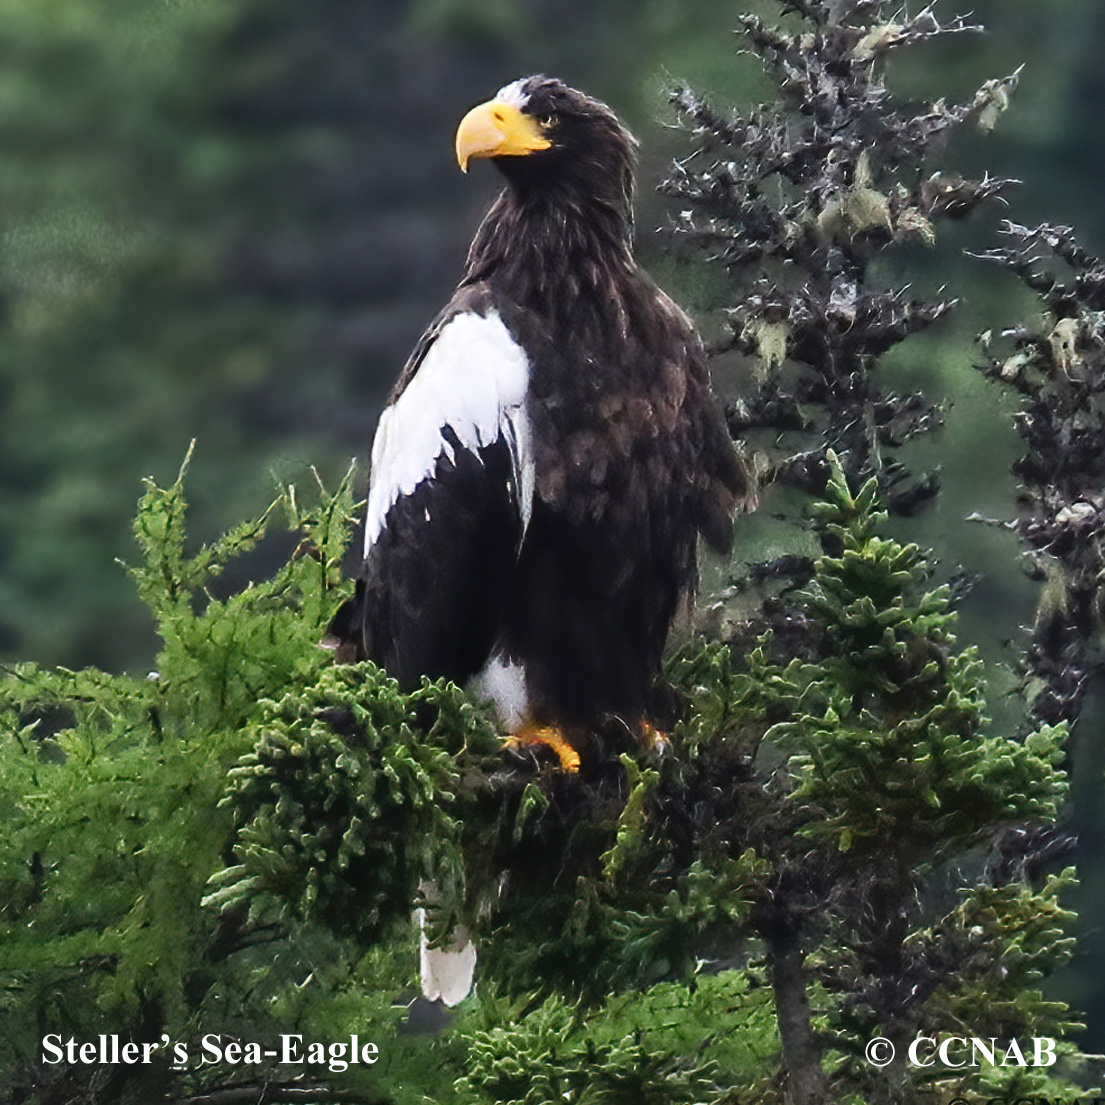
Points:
[(542, 540)]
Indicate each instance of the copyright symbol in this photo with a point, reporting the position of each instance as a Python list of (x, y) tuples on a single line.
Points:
[(879, 1052)]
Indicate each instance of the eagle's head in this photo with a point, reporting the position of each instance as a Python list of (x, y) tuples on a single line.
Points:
[(549, 139)]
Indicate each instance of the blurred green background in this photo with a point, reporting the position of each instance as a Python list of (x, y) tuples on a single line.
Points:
[(229, 220)]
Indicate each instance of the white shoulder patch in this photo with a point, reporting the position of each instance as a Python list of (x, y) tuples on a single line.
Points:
[(473, 379)]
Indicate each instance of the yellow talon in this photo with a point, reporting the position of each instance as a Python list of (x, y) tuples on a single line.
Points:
[(551, 738), (651, 737)]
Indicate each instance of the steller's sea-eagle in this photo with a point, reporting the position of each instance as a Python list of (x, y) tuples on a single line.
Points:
[(552, 449)]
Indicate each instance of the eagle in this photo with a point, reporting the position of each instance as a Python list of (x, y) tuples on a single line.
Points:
[(552, 450)]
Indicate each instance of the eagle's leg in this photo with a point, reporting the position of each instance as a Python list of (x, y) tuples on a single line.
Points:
[(552, 738)]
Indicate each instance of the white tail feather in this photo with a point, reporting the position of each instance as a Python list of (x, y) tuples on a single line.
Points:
[(446, 971)]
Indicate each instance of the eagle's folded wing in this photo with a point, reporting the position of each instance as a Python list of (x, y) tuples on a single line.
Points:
[(449, 500)]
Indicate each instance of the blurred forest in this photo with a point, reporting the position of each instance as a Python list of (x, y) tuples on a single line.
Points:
[(229, 220)]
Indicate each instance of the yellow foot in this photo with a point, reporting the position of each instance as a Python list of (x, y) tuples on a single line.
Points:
[(552, 739), (651, 737)]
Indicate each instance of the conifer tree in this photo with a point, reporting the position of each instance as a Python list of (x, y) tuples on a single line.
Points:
[(1058, 369), (891, 778), (796, 201), (1055, 366), (231, 850), (227, 849)]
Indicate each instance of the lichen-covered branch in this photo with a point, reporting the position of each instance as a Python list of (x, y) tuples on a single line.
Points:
[(1058, 368), (796, 200)]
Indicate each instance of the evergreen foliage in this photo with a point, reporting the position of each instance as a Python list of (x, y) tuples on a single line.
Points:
[(151, 824), (891, 779), (347, 795), (892, 783), (234, 847), (1057, 367)]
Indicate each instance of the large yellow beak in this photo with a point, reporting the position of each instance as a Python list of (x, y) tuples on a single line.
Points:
[(497, 129)]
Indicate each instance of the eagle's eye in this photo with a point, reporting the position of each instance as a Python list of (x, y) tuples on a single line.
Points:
[(546, 121)]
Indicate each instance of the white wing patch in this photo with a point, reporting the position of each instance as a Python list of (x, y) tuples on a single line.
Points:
[(474, 379)]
